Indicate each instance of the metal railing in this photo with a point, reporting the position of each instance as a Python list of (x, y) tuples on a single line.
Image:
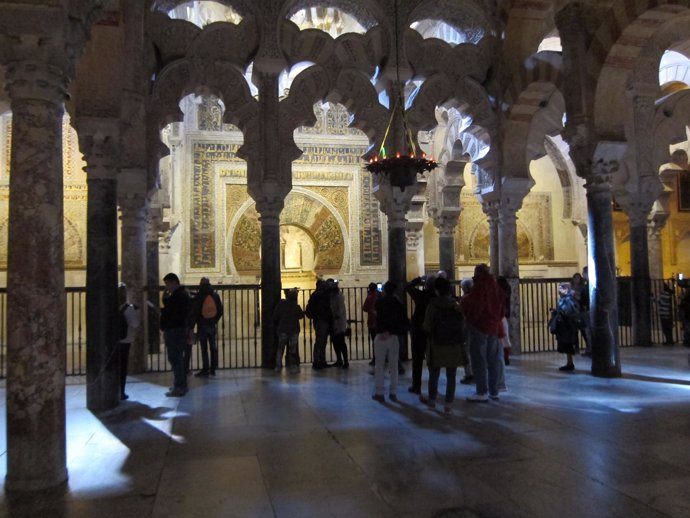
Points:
[(239, 331)]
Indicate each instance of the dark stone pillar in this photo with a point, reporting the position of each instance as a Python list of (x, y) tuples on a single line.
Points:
[(36, 328), (446, 254), (152, 282), (641, 285), (102, 381), (602, 281), (270, 282)]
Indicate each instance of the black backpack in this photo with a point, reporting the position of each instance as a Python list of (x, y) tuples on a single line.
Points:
[(448, 326)]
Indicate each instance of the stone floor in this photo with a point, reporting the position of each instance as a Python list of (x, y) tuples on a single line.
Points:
[(253, 443)]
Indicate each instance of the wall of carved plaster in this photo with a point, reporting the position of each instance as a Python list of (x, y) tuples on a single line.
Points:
[(210, 213)]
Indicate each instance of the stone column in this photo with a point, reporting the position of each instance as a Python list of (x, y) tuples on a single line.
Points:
[(602, 270), (99, 141), (656, 258), (36, 329), (414, 233), (269, 210), (641, 284), (153, 278), (133, 206), (513, 191), (446, 224), (490, 208)]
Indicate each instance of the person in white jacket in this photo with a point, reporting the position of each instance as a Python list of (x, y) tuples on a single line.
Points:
[(129, 322)]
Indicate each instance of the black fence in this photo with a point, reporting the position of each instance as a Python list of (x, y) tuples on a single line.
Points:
[(239, 331)]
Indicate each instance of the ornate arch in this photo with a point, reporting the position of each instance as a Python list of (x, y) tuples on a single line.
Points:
[(303, 209)]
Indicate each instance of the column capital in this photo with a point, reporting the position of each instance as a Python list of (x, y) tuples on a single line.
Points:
[(414, 238), (446, 223), (35, 80), (608, 159), (99, 143)]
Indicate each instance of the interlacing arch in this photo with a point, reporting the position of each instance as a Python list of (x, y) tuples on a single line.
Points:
[(537, 113)]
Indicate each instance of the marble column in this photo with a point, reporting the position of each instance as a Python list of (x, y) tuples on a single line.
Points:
[(415, 250), (656, 257), (133, 207), (602, 272), (36, 327), (641, 284), (269, 215)]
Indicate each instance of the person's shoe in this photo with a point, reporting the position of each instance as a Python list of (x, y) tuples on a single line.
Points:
[(277, 369), (494, 397), (338, 363), (507, 362), (177, 392), (414, 390), (203, 373), (428, 402), (503, 389), (124, 397), (379, 398), (372, 363), (317, 366), (477, 398), (212, 372), (447, 410), (393, 398), (467, 380), (568, 367), (345, 365)]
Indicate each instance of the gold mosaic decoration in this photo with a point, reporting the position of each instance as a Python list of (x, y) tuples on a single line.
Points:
[(300, 210), (338, 197), (534, 231)]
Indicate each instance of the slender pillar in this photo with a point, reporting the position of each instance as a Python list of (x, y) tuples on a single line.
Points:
[(152, 281), (602, 276), (491, 211), (641, 284), (508, 267), (269, 211), (446, 224), (656, 257), (133, 208), (35, 278)]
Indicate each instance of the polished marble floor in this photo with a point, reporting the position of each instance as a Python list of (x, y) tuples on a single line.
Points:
[(252, 443)]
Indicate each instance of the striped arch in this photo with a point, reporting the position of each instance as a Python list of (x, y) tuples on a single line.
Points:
[(537, 113), (630, 67), (545, 66), (619, 16)]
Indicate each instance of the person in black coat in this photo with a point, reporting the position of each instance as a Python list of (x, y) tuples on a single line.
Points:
[(421, 298), (175, 324)]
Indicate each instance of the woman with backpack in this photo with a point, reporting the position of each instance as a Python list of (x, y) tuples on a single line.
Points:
[(444, 326)]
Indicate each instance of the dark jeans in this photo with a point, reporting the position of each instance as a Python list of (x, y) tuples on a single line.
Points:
[(321, 329), (207, 340), (340, 347), (123, 352), (418, 349), (667, 328), (175, 344), (434, 374)]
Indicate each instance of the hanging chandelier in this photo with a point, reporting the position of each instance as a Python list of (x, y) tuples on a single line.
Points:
[(401, 166)]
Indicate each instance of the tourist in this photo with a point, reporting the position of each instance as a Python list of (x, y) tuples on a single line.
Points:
[(665, 307), (421, 298), (286, 319), (443, 323), (564, 324), (468, 378), (130, 320), (483, 310), (175, 324), (338, 323), (208, 310), (391, 324), (368, 307), (319, 311)]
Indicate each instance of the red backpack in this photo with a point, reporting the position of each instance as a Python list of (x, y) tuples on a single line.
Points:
[(208, 308)]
